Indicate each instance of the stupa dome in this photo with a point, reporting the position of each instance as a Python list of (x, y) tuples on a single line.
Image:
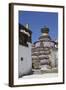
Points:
[(45, 29), (45, 34)]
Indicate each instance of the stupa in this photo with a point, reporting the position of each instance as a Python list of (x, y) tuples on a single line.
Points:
[(42, 51)]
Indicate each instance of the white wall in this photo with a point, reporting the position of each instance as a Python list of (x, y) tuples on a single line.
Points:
[(4, 44), (24, 66)]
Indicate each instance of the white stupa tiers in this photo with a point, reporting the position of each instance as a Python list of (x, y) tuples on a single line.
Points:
[(42, 52)]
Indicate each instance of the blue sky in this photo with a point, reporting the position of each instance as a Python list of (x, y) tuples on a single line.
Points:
[(38, 20)]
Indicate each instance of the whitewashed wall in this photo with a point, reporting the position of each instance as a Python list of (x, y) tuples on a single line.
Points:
[(24, 66)]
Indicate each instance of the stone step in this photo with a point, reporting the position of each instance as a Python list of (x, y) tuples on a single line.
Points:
[(35, 71)]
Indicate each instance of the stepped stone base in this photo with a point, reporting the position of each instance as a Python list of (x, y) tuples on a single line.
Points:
[(42, 71), (36, 71), (53, 70), (45, 67)]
